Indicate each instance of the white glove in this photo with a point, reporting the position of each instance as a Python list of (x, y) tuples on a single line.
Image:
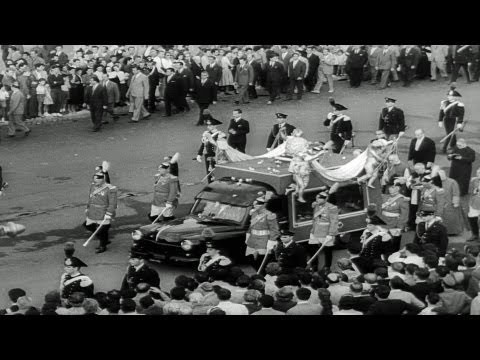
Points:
[(199, 158), (459, 126), (167, 205), (440, 124), (329, 238), (107, 217), (268, 149), (271, 245)]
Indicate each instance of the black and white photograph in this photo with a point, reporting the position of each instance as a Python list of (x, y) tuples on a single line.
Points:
[(240, 179)]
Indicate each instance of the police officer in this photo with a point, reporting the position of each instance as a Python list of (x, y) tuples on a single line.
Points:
[(373, 239), (279, 132), (209, 146), (73, 280), (289, 254), (451, 115), (263, 232), (395, 215), (324, 228), (430, 230), (101, 207), (139, 272), (392, 120), (165, 194), (212, 260), (340, 127)]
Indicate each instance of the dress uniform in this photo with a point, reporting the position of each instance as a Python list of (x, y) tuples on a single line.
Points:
[(289, 254), (432, 196), (451, 115), (324, 227), (140, 273), (431, 231), (76, 281), (263, 231), (392, 119), (340, 126), (101, 207), (395, 215), (165, 194), (279, 132), (212, 260), (209, 147), (373, 239)]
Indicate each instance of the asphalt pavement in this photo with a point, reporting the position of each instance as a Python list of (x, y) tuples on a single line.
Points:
[(49, 172)]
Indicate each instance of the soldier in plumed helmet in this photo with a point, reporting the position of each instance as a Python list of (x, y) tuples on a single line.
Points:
[(451, 115), (166, 192), (340, 127), (212, 260), (373, 239), (101, 208), (73, 280)]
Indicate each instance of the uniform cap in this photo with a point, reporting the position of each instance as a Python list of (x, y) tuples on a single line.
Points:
[(426, 213), (387, 99), (286, 232), (281, 116), (453, 92), (260, 200), (165, 165), (136, 255), (99, 175), (339, 107), (323, 194), (213, 122), (74, 262), (375, 220)]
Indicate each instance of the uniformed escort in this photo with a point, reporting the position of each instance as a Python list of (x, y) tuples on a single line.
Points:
[(289, 254), (451, 115), (340, 127), (324, 227), (165, 194), (102, 204), (263, 232), (279, 132), (432, 196), (212, 260), (73, 280), (209, 146), (139, 272), (392, 120), (395, 214), (373, 240), (431, 231)]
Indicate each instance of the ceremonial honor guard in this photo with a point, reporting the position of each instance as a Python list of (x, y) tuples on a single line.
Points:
[(139, 272), (289, 254), (451, 116), (392, 120), (263, 232), (165, 194), (104, 169), (324, 227), (73, 280), (101, 207), (432, 196), (340, 127), (373, 239), (431, 231), (280, 131), (395, 214), (212, 260), (209, 146)]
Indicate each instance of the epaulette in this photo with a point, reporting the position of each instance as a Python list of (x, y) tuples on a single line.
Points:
[(461, 104), (346, 118), (112, 187), (271, 216), (86, 281), (441, 190), (329, 115)]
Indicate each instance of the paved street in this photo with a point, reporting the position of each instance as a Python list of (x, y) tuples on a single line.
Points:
[(50, 172)]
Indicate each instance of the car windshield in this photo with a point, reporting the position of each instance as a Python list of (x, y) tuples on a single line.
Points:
[(214, 210)]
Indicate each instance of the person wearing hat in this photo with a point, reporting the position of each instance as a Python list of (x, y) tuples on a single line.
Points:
[(209, 146), (462, 157), (13, 295), (296, 72), (392, 120), (275, 73), (139, 272), (394, 212), (244, 76), (279, 132), (432, 196), (104, 169), (340, 127), (73, 280), (55, 81), (96, 100), (288, 253), (212, 259), (324, 227), (16, 111), (451, 116), (373, 239), (430, 230), (101, 207), (166, 191), (204, 94), (455, 302), (263, 232)]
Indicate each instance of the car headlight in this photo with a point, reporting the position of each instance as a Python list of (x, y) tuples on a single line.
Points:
[(186, 245), (137, 235)]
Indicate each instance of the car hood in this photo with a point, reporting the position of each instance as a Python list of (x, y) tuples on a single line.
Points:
[(187, 228)]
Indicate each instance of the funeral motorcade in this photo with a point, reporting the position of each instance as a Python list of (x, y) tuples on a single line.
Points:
[(224, 206)]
